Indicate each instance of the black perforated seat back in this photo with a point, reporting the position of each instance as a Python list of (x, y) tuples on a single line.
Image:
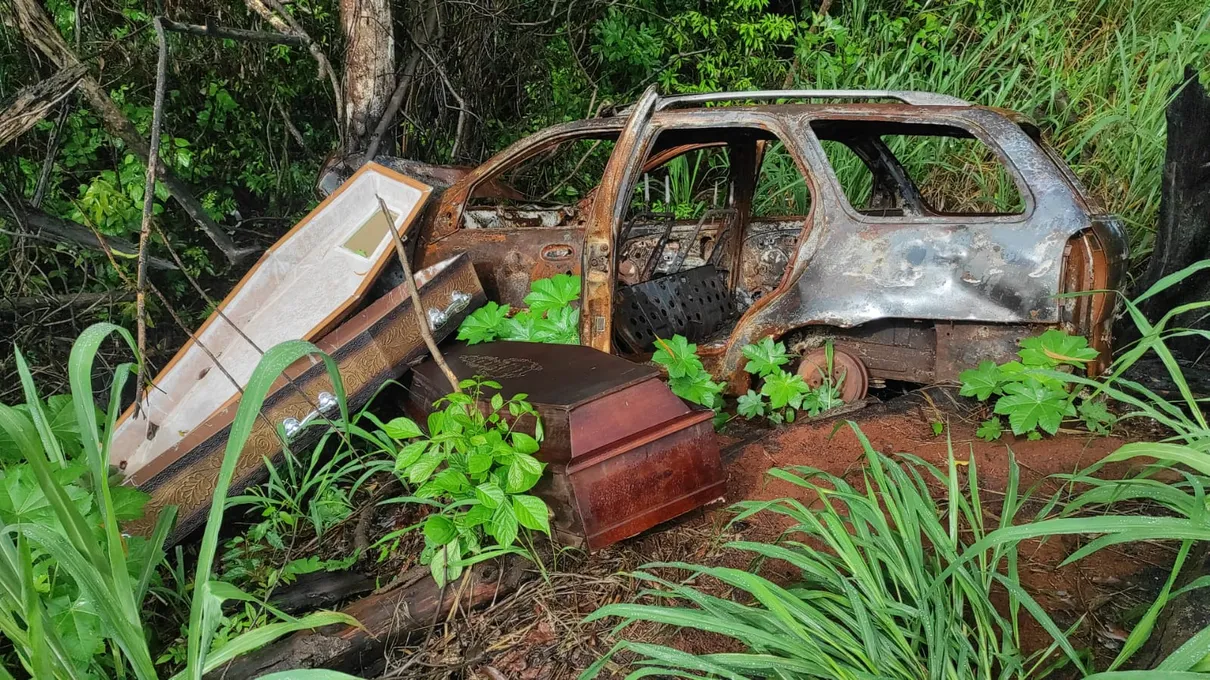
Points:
[(694, 303)]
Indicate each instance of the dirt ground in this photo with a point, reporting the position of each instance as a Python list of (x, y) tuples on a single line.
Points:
[(536, 633)]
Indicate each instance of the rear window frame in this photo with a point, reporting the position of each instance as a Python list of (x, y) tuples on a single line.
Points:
[(813, 145)]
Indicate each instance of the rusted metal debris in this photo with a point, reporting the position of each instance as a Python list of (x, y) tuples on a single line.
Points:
[(914, 292), (623, 452)]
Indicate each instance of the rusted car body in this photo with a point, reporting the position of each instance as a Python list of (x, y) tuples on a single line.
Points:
[(909, 289)]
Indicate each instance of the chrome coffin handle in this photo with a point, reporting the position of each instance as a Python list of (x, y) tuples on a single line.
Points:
[(458, 302), (292, 426)]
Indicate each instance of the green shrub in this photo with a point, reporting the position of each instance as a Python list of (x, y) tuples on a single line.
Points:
[(475, 468), (687, 377), (788, 393), (550, 317), (1029, 392)]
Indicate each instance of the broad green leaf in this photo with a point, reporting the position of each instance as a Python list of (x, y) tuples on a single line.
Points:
[(1055, 347), (557, 291), (410, 454), (982, 382), (483, 324), (439, 530), (528, 464), (490, 494), (451, 481), (524, 443), (678, 356), (784, 389), (403, 428), (765, 357), (750, 405), (1031, 405), (990, 430), (424, 467), (697, 388), (479, 461), (532, 513), (503, 525)]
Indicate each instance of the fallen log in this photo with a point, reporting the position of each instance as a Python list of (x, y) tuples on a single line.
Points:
[(320, 590), (31, 104), (38, 224), (387, 619)]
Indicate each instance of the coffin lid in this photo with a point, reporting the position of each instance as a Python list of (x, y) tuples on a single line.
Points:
[(557, 376)]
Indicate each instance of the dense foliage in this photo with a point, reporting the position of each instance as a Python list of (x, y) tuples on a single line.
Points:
[(247, 125)]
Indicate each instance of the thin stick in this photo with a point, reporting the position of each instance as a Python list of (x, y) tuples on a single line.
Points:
[(421, 317), (212, 31), (153, 155)]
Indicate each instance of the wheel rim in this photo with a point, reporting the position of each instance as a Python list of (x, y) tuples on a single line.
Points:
[(856, 379)]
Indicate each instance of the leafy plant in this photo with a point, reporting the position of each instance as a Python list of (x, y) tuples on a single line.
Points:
[(687, 377), (474, 467), (787, 392), (111, 576), (1030, 392), (306, 490), (550, 317)]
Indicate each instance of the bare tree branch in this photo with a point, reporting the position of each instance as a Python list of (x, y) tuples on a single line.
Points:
[(40, 32), (404, 82), (31, 104), (279, 18), (153, 156), (422, 319), (241, 34), (40, 225)]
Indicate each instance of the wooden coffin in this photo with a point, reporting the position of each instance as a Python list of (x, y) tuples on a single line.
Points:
[(624, 453), (301, 288), (372, 347)]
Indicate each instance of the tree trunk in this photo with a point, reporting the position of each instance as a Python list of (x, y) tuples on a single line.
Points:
[(31, 104), (1183, 234), (369, 67), (40, 32)]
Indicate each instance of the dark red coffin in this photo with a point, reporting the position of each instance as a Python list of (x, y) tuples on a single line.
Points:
[(623, 452)]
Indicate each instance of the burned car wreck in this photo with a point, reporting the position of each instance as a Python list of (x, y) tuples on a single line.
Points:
[(727, 219)]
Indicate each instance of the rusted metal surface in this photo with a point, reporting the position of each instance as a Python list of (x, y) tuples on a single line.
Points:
[(838, 270), (624, 453), (847, 371), (370, 348)]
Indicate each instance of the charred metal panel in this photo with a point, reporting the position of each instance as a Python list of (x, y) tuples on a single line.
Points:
[(964, 345), (1000, 269), (507, 260)]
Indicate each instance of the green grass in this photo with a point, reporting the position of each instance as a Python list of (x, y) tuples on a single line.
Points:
[(112, 580), (887, 587)]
